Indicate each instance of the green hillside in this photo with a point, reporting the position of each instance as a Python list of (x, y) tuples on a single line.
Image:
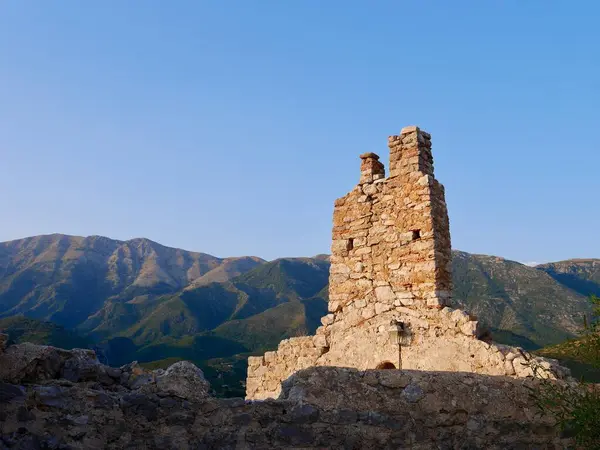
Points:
[(139, 300), (579, 355), (280, 285), (518, 299), (263, 331), (581, 275), (22, 329), (582, 354), (68, 279)]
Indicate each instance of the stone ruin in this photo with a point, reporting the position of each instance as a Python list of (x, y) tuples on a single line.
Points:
[(389, 291), (390, 285), (66, 399)]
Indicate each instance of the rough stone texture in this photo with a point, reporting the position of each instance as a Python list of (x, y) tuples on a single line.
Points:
[(184, 380), (320, 407), (25, 362), (390, 284)]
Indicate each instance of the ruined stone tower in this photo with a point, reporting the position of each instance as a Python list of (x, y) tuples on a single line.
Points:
[(390, 283), (391, 237)]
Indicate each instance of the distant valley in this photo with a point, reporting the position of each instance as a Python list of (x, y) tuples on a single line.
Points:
[(140, 300)]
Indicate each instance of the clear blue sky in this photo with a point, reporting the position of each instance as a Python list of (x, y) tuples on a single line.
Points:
[(230, 127)]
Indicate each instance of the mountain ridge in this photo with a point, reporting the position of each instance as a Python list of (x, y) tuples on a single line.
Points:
[(140, 300), (70, 267), (580, 274), (130, 279)]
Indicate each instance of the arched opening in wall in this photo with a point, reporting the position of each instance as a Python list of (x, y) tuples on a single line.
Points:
[(385, 365)]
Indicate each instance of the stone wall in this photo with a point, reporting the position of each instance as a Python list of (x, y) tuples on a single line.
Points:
[(391, 236), (433, 341), (390, 284), (57, 399), (265, 373)]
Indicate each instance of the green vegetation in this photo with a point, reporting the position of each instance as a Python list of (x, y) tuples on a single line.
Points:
[(195, 348), (70, 280), (139, 300), (226, 375), (576, 408), (581, 275), (523, 304), (22, 329), (581, 355), (264, 331), (160, 363), (509, 338)]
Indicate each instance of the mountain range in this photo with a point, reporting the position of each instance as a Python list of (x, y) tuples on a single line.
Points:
[(140, 300)]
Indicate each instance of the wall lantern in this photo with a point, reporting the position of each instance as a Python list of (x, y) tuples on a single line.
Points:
[(396, 331)]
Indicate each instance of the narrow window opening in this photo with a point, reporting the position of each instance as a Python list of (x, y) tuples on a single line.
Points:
[(416, 234), (385, 365), (350, 244)]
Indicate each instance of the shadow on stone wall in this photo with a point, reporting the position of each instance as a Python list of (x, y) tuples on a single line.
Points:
[(52, 398)]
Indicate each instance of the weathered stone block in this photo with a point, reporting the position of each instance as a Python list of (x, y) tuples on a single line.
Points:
[(393, 379), (382, 307), (413, 393), (320, 341), (328, 319), (184, 380), (339, 268), (469, 328), (385, 294), (459, 317), (368, 312), (334, 306), (360, 303), (435, 302), (270, 357), (409, 129), (255, 361)]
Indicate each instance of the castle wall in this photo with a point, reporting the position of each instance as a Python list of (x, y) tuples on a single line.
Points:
[(265, 373), (55, 398), (391, 237), (442, 341), (390, 284), (321, 407)]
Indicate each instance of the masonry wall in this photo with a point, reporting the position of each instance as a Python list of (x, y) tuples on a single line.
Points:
[(52, 398), (434, 341), (391, 237), (320, 407), (390, 284)]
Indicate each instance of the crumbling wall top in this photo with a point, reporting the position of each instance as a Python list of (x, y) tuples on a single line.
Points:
[(371, 168)]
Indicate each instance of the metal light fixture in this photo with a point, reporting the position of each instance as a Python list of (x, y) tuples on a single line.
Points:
[(396, 331)]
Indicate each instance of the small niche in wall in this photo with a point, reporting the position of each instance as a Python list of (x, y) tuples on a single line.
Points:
[(350, 244), (416, 234)]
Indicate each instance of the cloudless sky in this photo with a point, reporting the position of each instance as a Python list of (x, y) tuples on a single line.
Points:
[(230, 127)]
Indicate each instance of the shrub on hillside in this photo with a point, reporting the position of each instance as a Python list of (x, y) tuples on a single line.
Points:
[(576, 406)]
